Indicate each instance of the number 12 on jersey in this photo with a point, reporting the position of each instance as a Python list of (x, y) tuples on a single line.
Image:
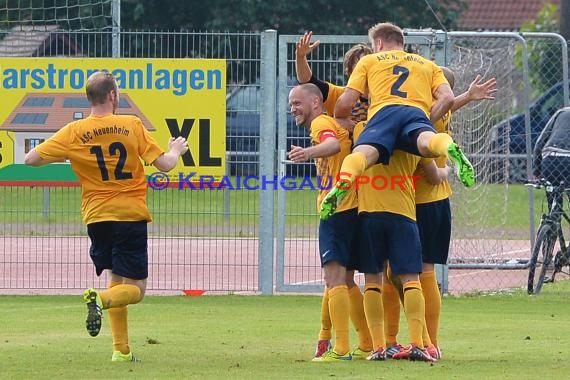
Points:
[(114, 149)]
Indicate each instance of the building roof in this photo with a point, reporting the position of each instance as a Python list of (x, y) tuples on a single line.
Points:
[(500, 15), (41, 112), (38, 41)]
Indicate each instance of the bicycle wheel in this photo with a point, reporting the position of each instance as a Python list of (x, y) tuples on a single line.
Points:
[(541, 262)]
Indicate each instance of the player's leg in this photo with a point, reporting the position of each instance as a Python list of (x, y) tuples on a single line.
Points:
[(325, 333), (374, 311), (406, 262), (441, 144), (417, 136), (371, 263), (434, 225), (118, 321), (391, 305), (334, 255), (130, 261), (358, 318)]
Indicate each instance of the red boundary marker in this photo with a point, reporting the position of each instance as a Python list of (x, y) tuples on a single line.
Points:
[(193, 292)]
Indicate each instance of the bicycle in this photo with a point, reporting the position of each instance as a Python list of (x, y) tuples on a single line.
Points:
[(549, 233)]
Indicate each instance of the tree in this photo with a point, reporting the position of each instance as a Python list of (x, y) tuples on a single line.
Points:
[(288, 17), (544, 59), (565, 19)]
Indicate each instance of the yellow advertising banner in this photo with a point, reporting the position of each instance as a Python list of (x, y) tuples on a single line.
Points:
[(173, 97)]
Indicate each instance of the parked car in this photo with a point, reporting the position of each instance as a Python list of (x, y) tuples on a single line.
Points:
[(540, 112), (243, 131)]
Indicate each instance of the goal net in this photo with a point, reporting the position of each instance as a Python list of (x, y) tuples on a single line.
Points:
[(484, 232), (72, 15)]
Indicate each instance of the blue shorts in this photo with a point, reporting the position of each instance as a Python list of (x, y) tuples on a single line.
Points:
[(394, 127), (338, 239), (434, 224), (392, 237), (121, 247)]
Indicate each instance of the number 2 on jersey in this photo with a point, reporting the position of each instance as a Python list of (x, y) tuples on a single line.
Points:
[(114, 148), (402, 73)]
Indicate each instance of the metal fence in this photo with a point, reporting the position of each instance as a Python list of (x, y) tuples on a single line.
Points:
[(265, 241)]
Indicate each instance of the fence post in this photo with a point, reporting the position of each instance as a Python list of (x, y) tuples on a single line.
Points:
[(267, 115), (116, 20), (46, 201)]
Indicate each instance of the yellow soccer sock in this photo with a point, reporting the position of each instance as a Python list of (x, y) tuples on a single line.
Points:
[(119, 326), (326, 324), (414, 306), (353, 165), (119, 329), (432, 304), (374, 314), (120, 295), (391, 304), (358, 318), (438, 144), (339, 310)]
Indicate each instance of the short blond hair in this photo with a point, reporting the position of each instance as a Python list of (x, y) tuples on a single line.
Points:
[(99, 85), (387, 32), (353, 55)]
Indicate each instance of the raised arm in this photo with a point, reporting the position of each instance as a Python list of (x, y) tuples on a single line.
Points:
[(304, 47), (168, 161), (476, 91)]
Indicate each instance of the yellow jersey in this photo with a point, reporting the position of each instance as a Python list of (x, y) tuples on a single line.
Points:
[(396, 78), (359, 110), (425, 191), (105, 153), (389, 188), (328, 168)]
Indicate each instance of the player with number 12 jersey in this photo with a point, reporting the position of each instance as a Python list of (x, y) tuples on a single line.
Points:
[(114, 176)]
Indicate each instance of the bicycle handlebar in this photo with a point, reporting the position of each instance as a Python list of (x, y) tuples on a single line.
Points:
[(542, 183)]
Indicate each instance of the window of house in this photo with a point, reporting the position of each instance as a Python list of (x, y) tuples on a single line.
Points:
[(30, 144)]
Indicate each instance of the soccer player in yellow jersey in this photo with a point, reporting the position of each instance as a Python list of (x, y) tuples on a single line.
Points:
[(388, 232), (337, 236), (405, 91), (331, 92), (105, 152), (433, 213)]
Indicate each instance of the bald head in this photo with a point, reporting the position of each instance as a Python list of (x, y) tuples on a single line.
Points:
[(306, 102)]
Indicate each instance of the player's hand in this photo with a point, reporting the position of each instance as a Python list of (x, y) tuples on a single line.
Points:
[(298, 154), (178, 145), (482, 91), (304, 45)]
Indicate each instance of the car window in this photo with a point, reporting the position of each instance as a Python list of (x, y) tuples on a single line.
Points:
[(244, 99)]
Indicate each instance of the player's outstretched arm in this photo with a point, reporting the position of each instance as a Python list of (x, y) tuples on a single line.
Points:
[(33, 158), (303, 48), (168, 161), (328, 147), (476, 91)]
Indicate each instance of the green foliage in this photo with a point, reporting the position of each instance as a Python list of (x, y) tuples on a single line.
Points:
[(288, 17), (544, 59)]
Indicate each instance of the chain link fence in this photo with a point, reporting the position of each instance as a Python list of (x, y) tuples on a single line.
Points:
[(228, 241)]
